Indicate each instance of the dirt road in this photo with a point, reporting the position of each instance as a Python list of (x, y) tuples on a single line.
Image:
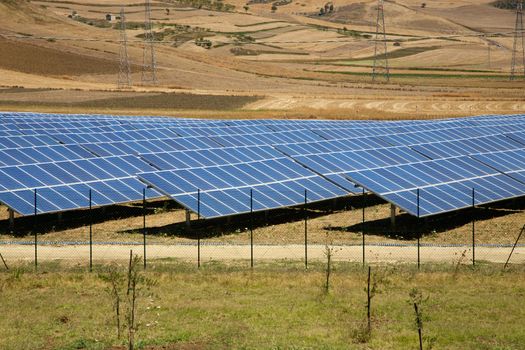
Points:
[(223, 252)]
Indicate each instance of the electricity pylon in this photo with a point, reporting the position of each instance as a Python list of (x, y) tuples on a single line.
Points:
[(149, 64), (380, 69), (517, 69), (124, 74)]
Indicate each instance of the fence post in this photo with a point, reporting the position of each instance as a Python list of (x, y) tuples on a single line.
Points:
[(473, 228), (305, 228), (363, 225), (34, 229), (251, 228), (144, 224), (418, 234), (198, 228), (90, 232)]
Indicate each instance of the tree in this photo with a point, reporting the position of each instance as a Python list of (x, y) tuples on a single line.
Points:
[(246, 8)]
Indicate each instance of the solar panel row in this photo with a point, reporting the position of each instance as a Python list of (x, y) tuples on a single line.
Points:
[(223, 162)]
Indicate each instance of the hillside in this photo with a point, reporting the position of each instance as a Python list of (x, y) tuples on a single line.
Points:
[(447, 53)]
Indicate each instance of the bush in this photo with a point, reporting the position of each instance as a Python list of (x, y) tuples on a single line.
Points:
[(504, 4)]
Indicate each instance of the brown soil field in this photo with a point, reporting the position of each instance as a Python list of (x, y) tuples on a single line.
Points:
[(35, 59), (135, 101), (303, 64)]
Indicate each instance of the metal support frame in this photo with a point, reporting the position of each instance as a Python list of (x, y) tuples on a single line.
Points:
[(11, 220), (363, 227), (305, 212), (380, 68), (473, 227), (144, 224), (149, 63), (34, 228), (251, 228), (418, 234), (90, 232), (198, 228), (517, 69), (124, 75), (393, 215)]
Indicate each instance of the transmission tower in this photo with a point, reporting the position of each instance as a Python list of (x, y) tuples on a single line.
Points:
[(149, 65), (124, 74), (517, 69), (380, 69)]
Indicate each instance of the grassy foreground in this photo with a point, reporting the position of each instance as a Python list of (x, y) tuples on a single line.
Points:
[(274, 306)]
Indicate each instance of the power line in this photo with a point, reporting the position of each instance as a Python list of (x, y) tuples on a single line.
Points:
[(124, 75), (518, 47), (380, 68), (149, 64)]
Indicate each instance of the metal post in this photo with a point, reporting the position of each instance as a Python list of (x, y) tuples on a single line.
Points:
[(305, 229), (514, 247), (418, 234), (251, 228), (363, 225), (34, 230), (90, 232), (7, 267), (144, 223), (11, 220), (188, 219), (198, 228), (473, 229), (393, 215)]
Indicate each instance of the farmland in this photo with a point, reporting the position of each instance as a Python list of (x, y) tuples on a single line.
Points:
[(294, 61)]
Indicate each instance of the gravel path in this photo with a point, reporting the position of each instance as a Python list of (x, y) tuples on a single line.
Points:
[(213, 251)]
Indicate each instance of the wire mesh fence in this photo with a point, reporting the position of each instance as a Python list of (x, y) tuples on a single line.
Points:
[(358, 229)]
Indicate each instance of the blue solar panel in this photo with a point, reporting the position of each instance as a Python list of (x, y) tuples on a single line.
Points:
[(210, 157), (225, 190), (62, 154), (482, 144), (276, 138), (444, 185), (76, 196)]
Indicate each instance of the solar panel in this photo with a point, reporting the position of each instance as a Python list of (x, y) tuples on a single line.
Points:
[(481, 144), (116, 175), (210, 157), (225, 190), (42, 154), (275, 138), (76, 196), (61, 154), (511, 163), (443, 185), (335, 165)]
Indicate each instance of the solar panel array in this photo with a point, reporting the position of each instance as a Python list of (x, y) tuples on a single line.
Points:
[(227, 167)]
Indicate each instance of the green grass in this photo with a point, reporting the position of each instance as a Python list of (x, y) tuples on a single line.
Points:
[(275, 306)]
